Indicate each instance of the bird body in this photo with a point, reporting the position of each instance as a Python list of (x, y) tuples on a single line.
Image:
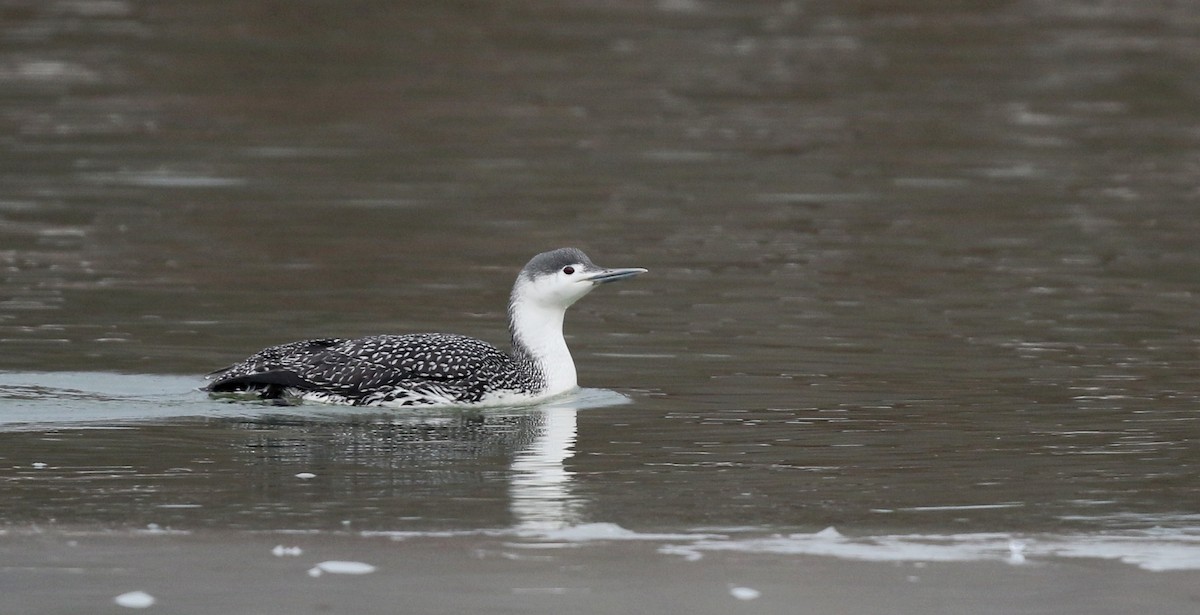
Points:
[(438, 368)]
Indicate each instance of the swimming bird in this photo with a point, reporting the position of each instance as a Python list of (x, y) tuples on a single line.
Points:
[(438, 368)]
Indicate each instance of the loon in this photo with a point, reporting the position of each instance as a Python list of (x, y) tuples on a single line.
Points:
[(427, 369)]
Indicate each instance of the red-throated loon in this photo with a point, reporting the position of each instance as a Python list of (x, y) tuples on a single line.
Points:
[(438, 368)]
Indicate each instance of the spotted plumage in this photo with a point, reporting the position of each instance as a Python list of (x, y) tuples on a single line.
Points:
[(437, 368)]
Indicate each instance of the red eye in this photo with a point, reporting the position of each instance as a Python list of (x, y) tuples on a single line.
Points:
[(568, 270)]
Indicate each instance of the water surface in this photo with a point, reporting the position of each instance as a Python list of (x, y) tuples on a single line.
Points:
[(913, 269)]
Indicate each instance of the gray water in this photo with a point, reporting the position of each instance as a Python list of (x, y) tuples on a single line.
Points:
[(914, 267)]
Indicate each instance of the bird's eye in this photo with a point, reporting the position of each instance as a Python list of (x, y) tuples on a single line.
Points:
[(568, 270)]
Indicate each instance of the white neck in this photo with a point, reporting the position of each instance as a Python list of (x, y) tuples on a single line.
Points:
[(538, 330)]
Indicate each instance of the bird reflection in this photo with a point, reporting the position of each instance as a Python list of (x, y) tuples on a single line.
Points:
[(541, 485), (443, 468)]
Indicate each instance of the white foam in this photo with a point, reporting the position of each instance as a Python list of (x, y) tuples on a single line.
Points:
[(744, 593), (589, 532), (1155, 550), (340, 567), (1145, 552), (135, 600), (830, 542), (1016, 552)]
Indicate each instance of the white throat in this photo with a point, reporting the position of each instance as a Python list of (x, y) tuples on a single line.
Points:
[(539, 330)]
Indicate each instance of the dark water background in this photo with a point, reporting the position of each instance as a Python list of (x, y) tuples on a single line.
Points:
[(914, 266)]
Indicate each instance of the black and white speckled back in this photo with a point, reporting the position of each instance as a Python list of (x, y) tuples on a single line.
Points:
[(383, 369)]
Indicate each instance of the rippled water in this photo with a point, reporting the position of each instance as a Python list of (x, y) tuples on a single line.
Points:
[(912, 268)]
